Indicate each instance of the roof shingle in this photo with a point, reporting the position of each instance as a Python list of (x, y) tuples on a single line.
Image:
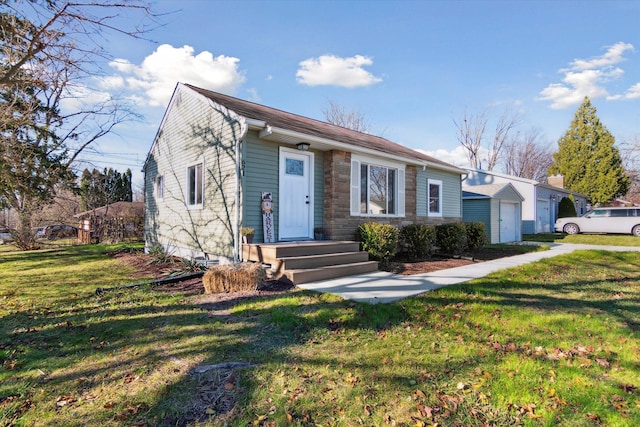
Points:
[(284, 120)]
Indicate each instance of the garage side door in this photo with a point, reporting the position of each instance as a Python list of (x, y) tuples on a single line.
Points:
[(508, 222), (543, 217)]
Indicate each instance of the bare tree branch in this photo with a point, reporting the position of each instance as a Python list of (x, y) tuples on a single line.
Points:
[(528, 156), (339, 116), (506, 124), (470, 132)]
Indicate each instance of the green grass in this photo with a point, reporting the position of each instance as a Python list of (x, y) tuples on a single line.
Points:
[(587, 239), (551, 343)]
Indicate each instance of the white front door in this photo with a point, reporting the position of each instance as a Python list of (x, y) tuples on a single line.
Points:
[(295, 211)]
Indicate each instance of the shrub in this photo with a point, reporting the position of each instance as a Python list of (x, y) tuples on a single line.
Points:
[(451, 238), (233, 277), (380, 240), (476, 235), (160, 255), (566, 208), (418, 240)]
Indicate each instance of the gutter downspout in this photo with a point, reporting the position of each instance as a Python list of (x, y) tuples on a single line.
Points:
[(239, 161)]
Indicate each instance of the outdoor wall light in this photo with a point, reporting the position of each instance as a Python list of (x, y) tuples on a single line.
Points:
[(303, 146)]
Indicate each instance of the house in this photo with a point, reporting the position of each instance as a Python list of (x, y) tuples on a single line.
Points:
[(218, 164), (115, 222), (540, 200), (498, 206)]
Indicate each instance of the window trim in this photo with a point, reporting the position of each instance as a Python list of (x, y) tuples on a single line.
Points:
[(194, 165), (399, 186), (437, 183), (159, 187)]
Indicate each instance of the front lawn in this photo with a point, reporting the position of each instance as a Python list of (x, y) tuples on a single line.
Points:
[(587, 239), (552, 343)]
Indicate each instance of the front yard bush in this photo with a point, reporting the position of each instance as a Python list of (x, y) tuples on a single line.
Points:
[(451, 238), (380, 240), (476, 235), (418, 240), (566, 208)]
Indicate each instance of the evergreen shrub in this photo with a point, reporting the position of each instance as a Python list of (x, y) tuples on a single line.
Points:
[(476, 235), (418, 240), (380, 240), (451, 238), (566, 208)]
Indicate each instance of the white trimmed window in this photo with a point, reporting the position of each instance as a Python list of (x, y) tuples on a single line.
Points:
[(377, 189), (195, 182), (160, 187), (434, 202)]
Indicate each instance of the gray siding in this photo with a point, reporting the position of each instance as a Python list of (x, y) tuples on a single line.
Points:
[(193, 131), (261, 173), (451, 192), (480, 210)]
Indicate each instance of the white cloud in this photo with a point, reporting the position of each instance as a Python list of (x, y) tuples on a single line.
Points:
[(159, 72), (457, 156), (614, 55), (588, 77), (331, 70), (78, 97), (253, 95)]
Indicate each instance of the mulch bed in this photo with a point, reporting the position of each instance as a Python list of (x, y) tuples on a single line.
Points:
[(147, 266), (403, 265)]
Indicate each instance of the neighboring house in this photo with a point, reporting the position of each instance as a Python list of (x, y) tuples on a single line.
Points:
[(498, 206), (215, 158), (540, 204), (115, 222)]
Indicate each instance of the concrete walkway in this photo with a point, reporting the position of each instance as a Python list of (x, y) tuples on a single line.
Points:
[(384, 287)]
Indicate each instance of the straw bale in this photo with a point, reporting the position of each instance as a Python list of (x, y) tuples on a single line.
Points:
[(233, 278)]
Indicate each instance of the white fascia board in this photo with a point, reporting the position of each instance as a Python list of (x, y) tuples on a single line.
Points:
[(502, 175)]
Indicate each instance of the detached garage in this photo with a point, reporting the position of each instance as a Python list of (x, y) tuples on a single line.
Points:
[(498, 206)]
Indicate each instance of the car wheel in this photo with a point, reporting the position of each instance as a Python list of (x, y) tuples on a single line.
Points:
[(636, 231), (571, 229)]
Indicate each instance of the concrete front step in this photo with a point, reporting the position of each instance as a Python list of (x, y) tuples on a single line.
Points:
[(330, 272), (314, 261), (310, 261), (269, 253)]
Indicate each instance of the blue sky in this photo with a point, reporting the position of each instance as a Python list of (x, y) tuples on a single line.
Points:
[(410, 67)]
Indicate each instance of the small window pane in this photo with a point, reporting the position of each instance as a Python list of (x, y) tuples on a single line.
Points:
[(364, 173), (294, 167), (377, 190), (434, 198), (194, 185), (391, 192), (160, 187)]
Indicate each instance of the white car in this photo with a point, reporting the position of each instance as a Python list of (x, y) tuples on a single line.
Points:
[(5, 236), (602, 220)]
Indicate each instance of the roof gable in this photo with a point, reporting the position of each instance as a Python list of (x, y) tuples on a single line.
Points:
[(505, 191)]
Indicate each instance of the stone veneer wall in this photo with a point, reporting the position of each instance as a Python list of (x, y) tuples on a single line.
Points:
[(338, 221)]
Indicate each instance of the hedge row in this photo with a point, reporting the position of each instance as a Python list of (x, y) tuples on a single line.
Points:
[(419, 241)]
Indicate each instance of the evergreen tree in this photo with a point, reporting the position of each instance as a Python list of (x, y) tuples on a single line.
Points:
[(588, 160), (566, 208), (98, 189)]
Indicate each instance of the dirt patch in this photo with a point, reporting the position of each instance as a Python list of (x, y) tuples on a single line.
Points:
[(147, 265)]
